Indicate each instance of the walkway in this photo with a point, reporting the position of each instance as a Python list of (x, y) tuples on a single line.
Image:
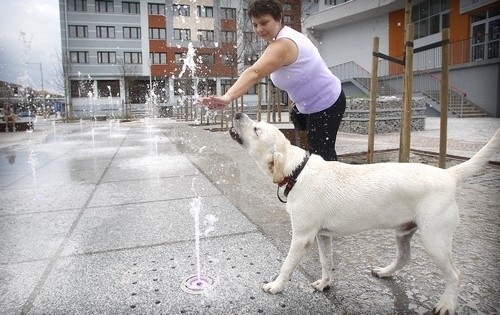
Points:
[(99, 218)]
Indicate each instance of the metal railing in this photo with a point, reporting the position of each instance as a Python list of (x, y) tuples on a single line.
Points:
[(349, 70), (424, 83), (464, 51), (390, 74)]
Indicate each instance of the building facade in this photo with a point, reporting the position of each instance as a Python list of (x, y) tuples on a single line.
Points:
[(344, 32), (144, 57)]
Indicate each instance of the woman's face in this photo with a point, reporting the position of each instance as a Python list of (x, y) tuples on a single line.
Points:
[(266, 27)]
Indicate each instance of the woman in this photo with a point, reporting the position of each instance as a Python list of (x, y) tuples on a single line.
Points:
[(295, 66), (9, 116)]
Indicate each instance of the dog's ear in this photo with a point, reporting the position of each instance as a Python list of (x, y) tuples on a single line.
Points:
[(277, 164), (276, 167)]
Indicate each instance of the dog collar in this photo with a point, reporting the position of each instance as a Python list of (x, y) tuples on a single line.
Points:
[(290, 181)]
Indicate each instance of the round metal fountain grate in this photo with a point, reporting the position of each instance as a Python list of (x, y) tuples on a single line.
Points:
[(196, 284)]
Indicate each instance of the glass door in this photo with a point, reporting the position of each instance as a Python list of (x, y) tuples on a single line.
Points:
[(478, 41), (485, 34), (493, 38)]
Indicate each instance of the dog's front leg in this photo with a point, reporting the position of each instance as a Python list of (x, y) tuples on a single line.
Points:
[(325, 257), (298, 249)]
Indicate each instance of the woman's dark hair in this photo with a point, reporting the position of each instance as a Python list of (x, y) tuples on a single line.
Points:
[(258, 8)]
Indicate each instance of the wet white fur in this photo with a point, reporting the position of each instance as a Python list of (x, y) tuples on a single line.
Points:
[(336, 199)]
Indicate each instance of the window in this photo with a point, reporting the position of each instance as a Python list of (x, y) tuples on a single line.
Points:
[(78, 31), (79, 56), (157, 33), (229, 60), (206, 59), (253, 90), (181, 10), (288, 19), (204, 11), (430, 17), (182, 34), (183, 87), (158, 58), (228, 37), (205, 35), (138, 89), (158, 89), (106, 57), (81, 88), (228, 13), (225, 84), (131, 7), (104, 6), (287, 7), (250, 59), (77, 5), (207, 87), (334, 2), (107, 88), (485, 32), (131, 32), (156, 9), (132, 57), (250, 37), (179, 58), (105, 32)]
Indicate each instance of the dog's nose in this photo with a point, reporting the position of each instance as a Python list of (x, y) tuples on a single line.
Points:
[(238, 115)]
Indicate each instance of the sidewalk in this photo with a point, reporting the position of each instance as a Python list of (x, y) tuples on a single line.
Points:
[(97, 218)]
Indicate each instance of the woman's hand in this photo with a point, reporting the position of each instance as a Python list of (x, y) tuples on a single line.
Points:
[(214, 102)]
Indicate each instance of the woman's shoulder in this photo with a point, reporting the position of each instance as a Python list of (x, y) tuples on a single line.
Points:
[(287, 30)]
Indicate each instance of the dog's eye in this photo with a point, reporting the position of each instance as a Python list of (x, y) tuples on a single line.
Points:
[(256, 130)]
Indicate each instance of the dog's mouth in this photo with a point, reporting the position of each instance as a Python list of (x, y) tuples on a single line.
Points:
[(234, 134)]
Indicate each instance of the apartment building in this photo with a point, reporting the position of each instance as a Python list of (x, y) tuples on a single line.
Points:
[(344, 30), (141, 57)]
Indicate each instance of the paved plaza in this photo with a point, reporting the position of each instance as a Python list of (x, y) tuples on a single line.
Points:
[(99, 218)]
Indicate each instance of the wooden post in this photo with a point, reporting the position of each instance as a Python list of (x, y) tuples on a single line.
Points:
[(275, 101), (232, 112), (443, 128), (191, 109), (222, 119), (404, 144), (269, 95), (259, 100), (373, 103), (279, 105)]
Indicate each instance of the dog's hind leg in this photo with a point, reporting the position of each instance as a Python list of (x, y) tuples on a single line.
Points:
[(437, 237), (325, 257), (403, 252)]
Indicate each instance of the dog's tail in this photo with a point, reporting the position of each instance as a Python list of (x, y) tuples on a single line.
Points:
[(475, 165)]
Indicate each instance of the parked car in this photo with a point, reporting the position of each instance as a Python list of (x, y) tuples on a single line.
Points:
[(25, 114)]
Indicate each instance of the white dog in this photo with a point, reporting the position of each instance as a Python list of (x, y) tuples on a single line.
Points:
[(333, 199)]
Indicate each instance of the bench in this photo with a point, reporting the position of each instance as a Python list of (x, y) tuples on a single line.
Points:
[(20, 126), (100, 117)]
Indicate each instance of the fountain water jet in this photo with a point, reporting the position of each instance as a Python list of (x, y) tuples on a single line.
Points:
[(33, 162), (198, 283), (93, 140), (54, 129)]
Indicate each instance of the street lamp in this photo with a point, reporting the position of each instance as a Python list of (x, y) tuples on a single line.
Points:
[(41, 71), (41, 78)]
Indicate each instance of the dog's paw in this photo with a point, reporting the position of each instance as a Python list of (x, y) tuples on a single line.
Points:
[(273, 287), (444, 307), (321, 285), (380, 272)]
